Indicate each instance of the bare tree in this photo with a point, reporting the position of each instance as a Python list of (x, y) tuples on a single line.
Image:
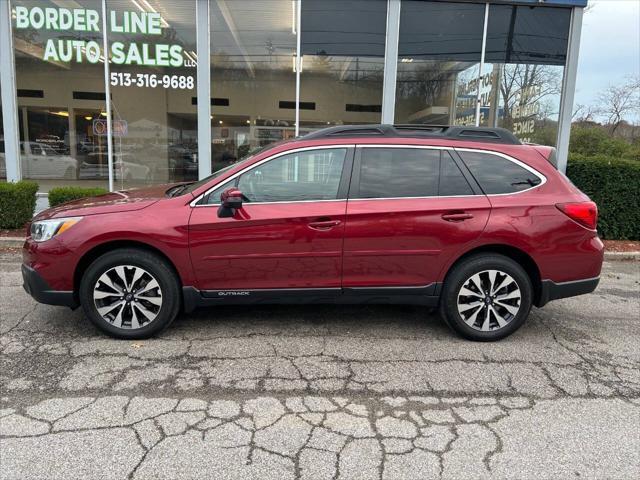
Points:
[(584, 113), (427, 82), (619, 101), (528, 85)]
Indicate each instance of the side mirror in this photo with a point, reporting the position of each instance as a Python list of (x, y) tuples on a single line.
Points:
[(230, 200)]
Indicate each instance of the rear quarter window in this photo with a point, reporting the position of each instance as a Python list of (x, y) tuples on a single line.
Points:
[(497, 175)]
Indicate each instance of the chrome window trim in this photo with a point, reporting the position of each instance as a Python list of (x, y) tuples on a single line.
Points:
[(271, 203), (194, 202), (412, 198), (543, 178), (383, 145)]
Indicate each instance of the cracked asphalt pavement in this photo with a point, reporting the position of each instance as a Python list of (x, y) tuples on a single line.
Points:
[(278, 392)]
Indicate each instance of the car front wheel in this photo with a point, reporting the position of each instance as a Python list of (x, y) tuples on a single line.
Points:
[(486, 297), (130, 293)]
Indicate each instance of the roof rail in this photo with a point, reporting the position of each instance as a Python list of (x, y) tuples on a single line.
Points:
[(452, 132)]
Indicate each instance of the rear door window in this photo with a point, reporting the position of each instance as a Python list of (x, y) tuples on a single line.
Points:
[(452, 181), (398, 172), (497, 175)]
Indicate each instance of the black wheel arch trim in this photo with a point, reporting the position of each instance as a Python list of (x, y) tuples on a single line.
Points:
[(92, 254), (514, 253)]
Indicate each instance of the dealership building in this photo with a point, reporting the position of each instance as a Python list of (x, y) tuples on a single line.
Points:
[(194, 85)]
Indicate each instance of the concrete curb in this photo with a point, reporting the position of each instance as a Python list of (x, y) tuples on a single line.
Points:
[(11, 242), (621, 256), (16, 242)]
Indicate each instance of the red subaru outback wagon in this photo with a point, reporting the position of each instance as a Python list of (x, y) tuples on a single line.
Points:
[(465, 219)]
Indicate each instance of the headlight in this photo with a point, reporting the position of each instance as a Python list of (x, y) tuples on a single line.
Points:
[(46, 229)]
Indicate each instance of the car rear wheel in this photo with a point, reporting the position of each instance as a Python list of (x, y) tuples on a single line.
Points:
[(130, 293), (486, 297)]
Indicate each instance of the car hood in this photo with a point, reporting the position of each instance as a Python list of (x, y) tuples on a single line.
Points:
[(114, 202)]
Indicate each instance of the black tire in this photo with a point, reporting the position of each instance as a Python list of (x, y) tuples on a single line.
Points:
[(461, 273), (156, 267)]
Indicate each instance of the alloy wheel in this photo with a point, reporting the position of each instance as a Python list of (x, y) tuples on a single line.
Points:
[(127, 297), (489, 300)]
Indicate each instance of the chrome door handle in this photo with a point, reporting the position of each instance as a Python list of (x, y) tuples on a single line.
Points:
[(456, 217), (324, 225)]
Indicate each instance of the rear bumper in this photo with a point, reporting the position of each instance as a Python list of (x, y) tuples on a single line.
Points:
[(551, 290), (39, 289)]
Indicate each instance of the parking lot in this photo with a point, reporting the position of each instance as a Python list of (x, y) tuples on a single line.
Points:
[(323, 392)]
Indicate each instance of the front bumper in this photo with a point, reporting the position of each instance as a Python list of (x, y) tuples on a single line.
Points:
[(39, 289), (551, 290)]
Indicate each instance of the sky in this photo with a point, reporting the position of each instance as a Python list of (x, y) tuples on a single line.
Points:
[(610, 47)]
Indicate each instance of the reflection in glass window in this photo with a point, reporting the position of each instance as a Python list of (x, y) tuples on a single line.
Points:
[(153, 82), (60, 93), (438, 55), (343, 45), (398, 172), (497, 174), (520, 34), (253, 47), (308, 175), (529, 101), (526, 53)]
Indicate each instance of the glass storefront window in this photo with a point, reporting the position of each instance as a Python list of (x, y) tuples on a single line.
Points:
[(59, 77), (439, 53), (526, 53), (255, 65), (253, 46), (153, 83), (341, 77)]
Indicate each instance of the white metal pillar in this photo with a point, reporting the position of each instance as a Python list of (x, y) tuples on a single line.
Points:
[(107, 94), (203, 92), (298, 16), (568, 89), (9, 94), (481, 66), (391, 62)]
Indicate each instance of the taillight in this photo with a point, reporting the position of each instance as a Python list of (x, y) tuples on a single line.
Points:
[(585, 213)]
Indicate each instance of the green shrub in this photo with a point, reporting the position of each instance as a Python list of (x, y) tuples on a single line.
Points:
[(17, 203), (634, 152), (66, 194), (590, 141), (614, 184)]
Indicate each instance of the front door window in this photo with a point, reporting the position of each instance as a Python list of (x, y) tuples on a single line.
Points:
[(300, 176)]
